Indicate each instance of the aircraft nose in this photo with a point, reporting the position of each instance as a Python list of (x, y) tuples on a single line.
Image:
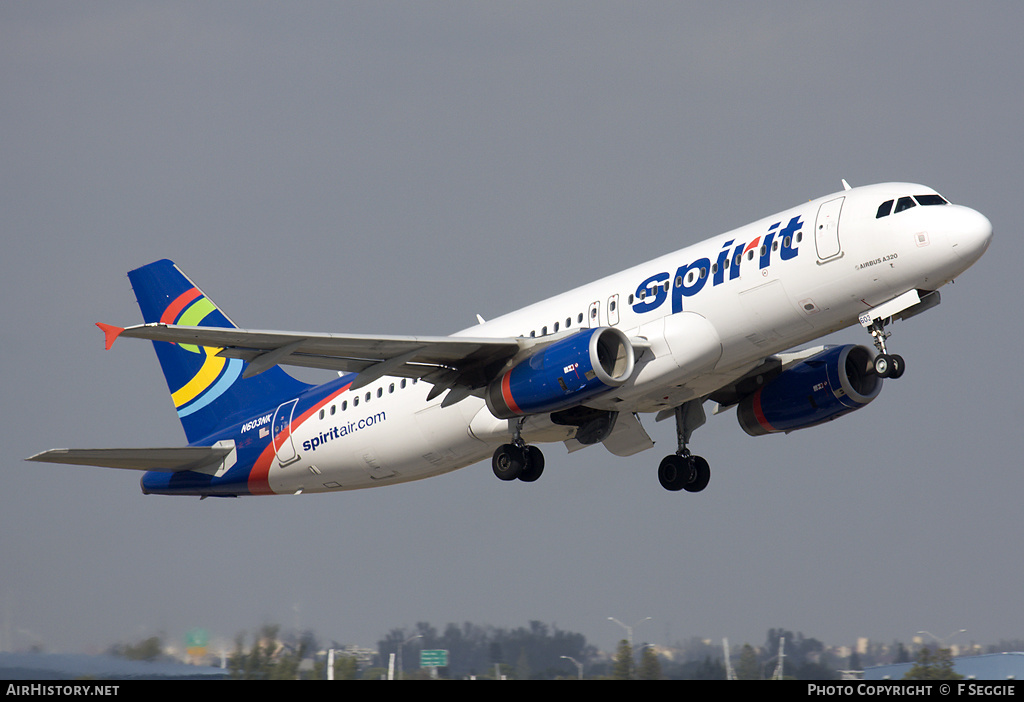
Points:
[(970, 234)]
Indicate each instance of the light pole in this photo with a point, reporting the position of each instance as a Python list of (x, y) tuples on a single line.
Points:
[(402, 646), (629, 630), (579, 666), (948, 636), (942, 642)]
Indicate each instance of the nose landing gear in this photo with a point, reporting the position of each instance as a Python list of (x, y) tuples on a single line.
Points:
[(886, 365), (905, 306)]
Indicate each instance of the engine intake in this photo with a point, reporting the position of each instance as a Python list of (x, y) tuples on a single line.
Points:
[(835, 382), (563, 374)]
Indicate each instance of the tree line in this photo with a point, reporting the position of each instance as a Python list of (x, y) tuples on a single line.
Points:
[(540, 651)]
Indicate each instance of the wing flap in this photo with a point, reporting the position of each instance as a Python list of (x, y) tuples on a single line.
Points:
[(169, 460)]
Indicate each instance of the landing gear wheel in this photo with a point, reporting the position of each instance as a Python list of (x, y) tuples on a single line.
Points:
[(690, 473), (508, 462), (701, 475), (673, 472), (898, 366), (883, 365), (534, 464)]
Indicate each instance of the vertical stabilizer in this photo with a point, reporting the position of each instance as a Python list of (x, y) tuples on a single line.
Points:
[(208, 390)]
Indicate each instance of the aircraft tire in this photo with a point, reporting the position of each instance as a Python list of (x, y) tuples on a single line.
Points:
[(701, 477), (673, 472), (883, 365), (508, 462), (534, 464), (898, 366)]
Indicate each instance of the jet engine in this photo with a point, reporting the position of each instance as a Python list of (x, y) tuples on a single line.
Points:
[(563, 374), (828, 385)]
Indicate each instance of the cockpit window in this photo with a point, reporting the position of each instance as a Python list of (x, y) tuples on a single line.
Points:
[(905, 203)]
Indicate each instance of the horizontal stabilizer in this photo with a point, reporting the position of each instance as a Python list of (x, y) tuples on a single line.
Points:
[(168, 460)]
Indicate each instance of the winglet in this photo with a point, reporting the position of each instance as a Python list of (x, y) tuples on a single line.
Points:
[(110, 333)]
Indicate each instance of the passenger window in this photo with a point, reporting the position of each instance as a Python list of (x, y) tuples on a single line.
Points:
[(884, 210), (904, 203)]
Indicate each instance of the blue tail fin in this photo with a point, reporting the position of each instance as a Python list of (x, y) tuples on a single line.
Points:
[(208, 391)]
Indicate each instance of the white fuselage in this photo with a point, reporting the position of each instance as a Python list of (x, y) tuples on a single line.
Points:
[(702, 317)]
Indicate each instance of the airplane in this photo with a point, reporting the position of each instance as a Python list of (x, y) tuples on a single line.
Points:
[(714, 322)]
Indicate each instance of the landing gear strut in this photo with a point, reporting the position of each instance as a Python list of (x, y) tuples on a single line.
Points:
[(886, 365), (517, 459), (681, 470)]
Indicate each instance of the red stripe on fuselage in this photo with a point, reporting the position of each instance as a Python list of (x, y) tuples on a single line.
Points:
[(259, 474)]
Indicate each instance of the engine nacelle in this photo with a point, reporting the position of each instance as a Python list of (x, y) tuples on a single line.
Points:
[(824, 387), (563, 374)]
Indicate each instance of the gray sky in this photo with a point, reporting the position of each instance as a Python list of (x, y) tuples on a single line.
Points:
[(398, 168)]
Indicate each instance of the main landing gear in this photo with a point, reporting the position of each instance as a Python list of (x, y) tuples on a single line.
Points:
[(681, 470), (886, 365), (518, 460)]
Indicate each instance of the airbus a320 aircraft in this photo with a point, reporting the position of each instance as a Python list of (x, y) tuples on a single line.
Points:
[(712, 322)]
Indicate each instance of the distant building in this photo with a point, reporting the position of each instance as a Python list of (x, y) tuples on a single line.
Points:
[(993, 666)]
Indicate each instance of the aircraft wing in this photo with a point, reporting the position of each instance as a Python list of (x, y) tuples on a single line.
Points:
[(457, 364), (171, 460)]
